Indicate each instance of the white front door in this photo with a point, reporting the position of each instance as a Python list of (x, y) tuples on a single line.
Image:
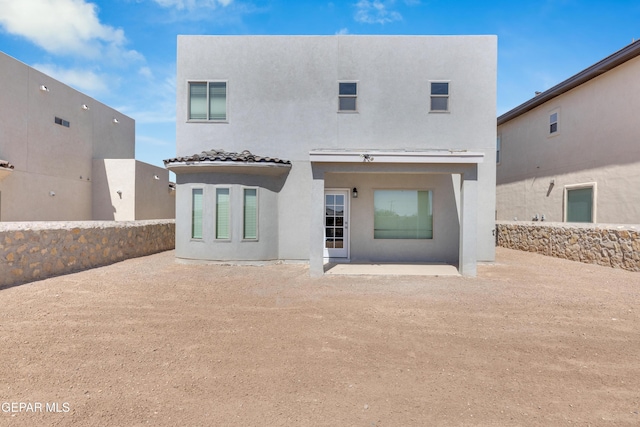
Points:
[(336, 223)]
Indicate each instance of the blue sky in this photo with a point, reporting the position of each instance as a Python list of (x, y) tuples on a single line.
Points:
[(122, 52)]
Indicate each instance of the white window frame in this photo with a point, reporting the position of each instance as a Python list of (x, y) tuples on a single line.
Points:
[(191, 229), (594, 200), (257, 238), (433, 231), (355, 96), (208, 120), (215, 214), (556, 122), (447, 96)]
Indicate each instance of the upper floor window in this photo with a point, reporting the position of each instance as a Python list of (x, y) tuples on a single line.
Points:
[(61, 122), (498, 149), (440, 96), (553, 122), (208, 101), (347, 96)]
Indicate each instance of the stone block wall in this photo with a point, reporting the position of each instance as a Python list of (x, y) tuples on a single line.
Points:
[(36, 250), (615, 246)]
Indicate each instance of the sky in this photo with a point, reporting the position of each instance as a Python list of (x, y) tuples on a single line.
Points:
[(123, 52)]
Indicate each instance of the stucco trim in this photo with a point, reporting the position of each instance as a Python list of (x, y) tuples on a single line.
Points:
[(396, 156)]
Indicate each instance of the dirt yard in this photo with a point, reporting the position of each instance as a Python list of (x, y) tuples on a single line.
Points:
[(533, 341)]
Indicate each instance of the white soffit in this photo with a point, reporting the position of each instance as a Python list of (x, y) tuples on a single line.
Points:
[(400, 156)]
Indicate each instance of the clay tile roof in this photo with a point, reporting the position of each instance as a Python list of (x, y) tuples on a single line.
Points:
[(5, 164), (224, 156)]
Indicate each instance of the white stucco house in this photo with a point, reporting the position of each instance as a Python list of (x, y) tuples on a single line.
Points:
[(572, 153), (67, 157), (336, 148)]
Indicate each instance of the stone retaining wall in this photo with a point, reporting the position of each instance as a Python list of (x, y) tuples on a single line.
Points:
[(615, 246), (36, 250)]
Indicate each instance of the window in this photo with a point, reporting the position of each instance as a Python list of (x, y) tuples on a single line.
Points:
[(208, 101), (196, 213), (498, 149), (61, 122), (440, 96), (348, 94), (250, 220), (402, 214), (553, 123), (222, 214), (579, 203)]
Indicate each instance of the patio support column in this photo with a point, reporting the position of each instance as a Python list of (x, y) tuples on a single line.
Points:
[(468, 221), (316, 261)]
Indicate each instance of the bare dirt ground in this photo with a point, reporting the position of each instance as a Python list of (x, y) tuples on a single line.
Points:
[(532, 341)]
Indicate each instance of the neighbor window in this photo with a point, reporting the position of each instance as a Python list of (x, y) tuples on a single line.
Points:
[(439, 96), (402, 214), (579, 203), (222, 214), (250, 220), (208, 101), (498, 149), (196, 213), (61, 122), (553, 122), (347, 96)]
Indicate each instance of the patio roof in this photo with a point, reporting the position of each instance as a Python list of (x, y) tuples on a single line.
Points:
[(396, 156)]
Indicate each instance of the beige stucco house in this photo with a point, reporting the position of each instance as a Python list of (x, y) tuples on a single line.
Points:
[(572, 153), (336, 148), (67, 157)]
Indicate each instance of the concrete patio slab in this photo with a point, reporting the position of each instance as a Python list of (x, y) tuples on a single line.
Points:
[(390, 269)]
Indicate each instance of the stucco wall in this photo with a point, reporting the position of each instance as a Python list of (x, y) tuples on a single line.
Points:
[(49, 157), (144, 191), (153, 200), (33, 251), (610, 245), (597, 141)]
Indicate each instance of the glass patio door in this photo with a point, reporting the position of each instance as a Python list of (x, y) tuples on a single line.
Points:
[(336, 217)]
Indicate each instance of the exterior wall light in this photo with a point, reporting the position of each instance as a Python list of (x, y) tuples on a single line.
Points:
[(85, 107), (44, 88), (156, 177), (116, 120), (119, 193), (52, 193), (354, 192)]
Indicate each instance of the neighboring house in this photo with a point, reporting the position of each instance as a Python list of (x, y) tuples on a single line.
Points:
[(66, 156), (340, 148), (572, 153)]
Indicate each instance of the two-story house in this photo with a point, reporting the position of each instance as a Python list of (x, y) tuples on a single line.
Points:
[(340, 148), (572, 153)]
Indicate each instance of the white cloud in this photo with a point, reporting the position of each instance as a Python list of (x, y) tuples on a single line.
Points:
[(86, 81), (342, 32), (65, 27), (145, 72), (193, 4), (376, 12)]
